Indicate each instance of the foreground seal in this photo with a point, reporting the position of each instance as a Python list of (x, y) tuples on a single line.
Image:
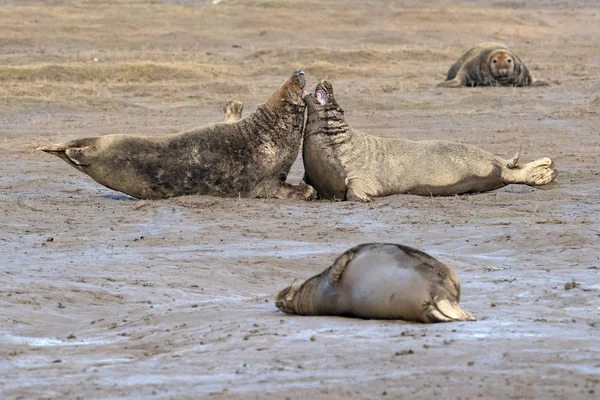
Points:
[(342, 163), (490, 64), (233, 111), (380, 281), (248, 158)]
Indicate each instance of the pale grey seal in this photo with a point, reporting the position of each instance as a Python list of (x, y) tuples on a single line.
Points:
[(345, 164), (380, 281)]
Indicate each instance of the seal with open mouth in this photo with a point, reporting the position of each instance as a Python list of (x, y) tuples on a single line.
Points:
[(380, 281), (247, 158), (490, 64), (342, 163)]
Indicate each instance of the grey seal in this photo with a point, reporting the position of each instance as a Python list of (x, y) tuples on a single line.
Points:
[(490, 64), (342, 163), (380, 281), (247, 158)]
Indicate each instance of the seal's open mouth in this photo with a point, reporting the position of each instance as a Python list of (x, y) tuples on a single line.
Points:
[(321, 94)]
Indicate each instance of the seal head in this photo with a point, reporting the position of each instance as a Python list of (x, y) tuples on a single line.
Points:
[(324, 113), (502, 66), (290, 93)]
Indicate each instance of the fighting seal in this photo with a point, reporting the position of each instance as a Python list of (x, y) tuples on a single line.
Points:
[(247, 158), (380, 281), (490, 64), (342, 163), (233, 111)]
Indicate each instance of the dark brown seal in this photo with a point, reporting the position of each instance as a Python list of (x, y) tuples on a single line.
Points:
[(380, 281), (345, 164), (248, 158), (233, 111), (490, 64)]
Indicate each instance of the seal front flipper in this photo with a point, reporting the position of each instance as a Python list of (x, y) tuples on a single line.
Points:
[(458, 81), (451, 84), (444, 310), (302, 191), (233, 111), (538, 83), (512, 163), (355, 194), (339, 265)]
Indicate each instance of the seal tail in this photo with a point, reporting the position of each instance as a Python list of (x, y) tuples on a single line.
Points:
[(72, 152), (446, 311)]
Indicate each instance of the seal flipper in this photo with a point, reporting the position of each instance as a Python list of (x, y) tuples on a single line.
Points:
[(62, 147), (512, 164), (537, 82), (73, 152), (339, 266), (453, 83), (445, 310), (78, 156)]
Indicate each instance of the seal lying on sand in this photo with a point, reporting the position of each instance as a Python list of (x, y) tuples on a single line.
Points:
[(490, 64), (248, 158), (380, 281), (343, 163), (233, 111)]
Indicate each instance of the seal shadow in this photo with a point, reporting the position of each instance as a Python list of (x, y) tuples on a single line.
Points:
[(119, 196)]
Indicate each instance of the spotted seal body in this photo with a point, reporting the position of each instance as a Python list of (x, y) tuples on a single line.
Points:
[(490, 64), (248, 158), (380, 281), (342, 163)]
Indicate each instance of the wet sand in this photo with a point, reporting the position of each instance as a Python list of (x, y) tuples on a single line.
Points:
[(106, 296)]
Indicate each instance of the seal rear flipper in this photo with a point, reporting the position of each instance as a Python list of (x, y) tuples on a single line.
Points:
[(78, 156), (62, 147), (73, 152), (445, 310)]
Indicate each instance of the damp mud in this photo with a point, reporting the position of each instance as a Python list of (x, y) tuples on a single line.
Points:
[(106, 296)]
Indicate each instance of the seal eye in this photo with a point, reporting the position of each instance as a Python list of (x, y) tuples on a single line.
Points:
[(509, 61), (495, 61)]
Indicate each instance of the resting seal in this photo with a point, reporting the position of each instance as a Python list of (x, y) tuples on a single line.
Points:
[(380, 281), (233, 111), (490, 64), (248, 158), (345, 164)]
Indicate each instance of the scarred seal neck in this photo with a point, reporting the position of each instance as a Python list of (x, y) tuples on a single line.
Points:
[(324, 115)]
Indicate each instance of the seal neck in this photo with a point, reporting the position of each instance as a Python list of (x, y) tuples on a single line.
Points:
[(275, 117), (328, 121)]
